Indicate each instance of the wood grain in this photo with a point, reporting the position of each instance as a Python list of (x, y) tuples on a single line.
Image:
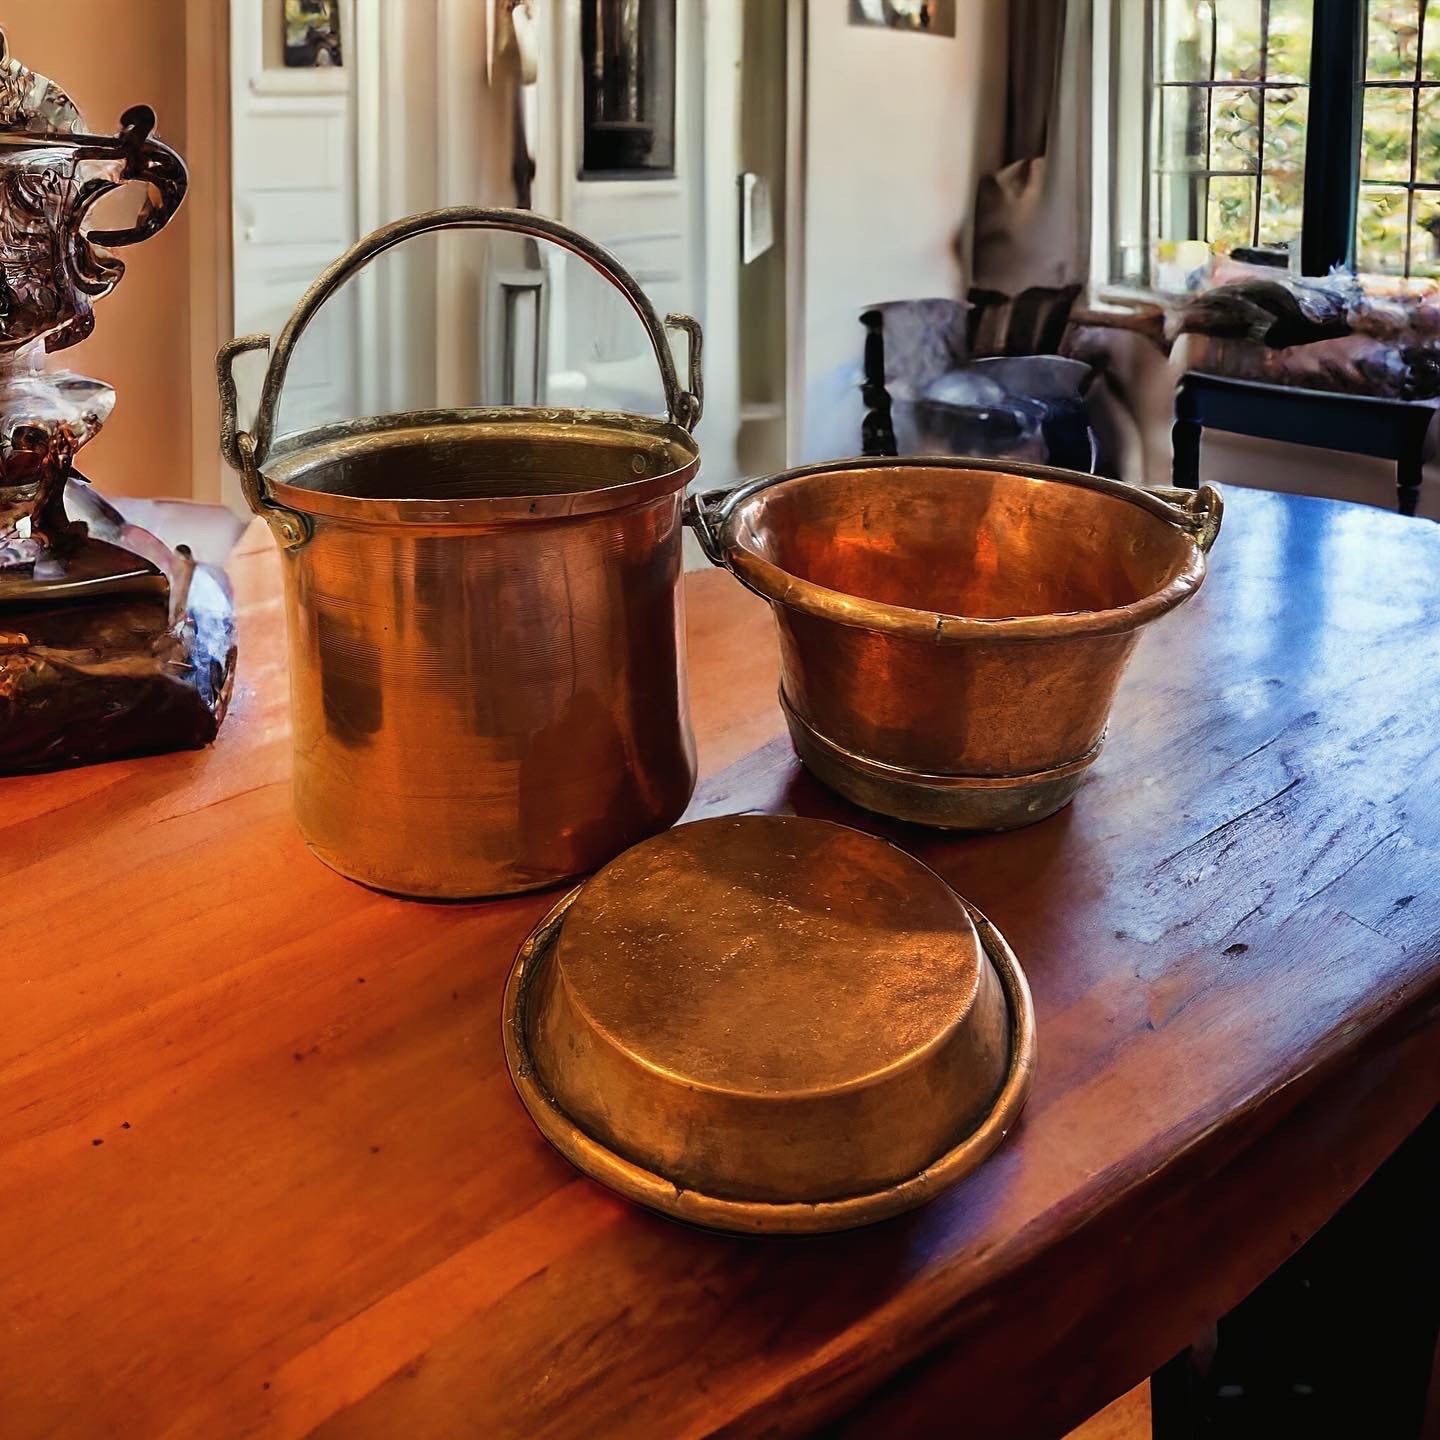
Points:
[(315, 1204), (1127, 1418)]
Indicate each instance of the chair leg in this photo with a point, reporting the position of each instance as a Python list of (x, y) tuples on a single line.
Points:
[(1409, 472), (1185, 443)]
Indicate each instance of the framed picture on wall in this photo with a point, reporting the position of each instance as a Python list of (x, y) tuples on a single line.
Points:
[(312, 33), (926, 17)]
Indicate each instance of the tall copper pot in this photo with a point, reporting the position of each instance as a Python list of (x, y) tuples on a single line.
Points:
[(952, 631), (485, 615)]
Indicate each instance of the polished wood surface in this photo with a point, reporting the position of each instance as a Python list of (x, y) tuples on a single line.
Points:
[(262, 1172)]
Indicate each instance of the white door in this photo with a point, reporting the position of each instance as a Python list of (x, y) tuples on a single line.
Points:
[(293, 208), (657, 226)]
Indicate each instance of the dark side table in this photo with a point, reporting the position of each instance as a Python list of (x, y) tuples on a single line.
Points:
[(1357, 424)]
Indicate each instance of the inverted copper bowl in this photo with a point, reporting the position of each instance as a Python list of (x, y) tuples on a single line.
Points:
[(952, 631), (764, 1023)]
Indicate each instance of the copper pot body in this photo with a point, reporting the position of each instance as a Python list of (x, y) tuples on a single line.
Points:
[(953, 631), (487, 692), (485, 612)]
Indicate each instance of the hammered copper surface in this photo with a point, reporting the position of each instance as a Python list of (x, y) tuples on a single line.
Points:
[(485, 613), (765, 1022), (487, 704), (952, 632)]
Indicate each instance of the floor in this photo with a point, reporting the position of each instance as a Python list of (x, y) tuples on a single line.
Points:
[(1127, 1418), (1298, 470)]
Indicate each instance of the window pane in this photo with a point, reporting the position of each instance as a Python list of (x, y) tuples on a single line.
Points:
[(1220, 209), (1393, 30), (1282, 208), (1427, 137), (1430, 51), (1425, 234), (1285, 112), (1235, 126), (1288, 53), (1182, 207), (1182, 124), (1380, 230), (1214, 39), (1185, 40), (1385, 150), (1230, 216), (1282, 194), (1237, 40)]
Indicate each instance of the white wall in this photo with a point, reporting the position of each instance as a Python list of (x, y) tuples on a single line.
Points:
[(898, 127)]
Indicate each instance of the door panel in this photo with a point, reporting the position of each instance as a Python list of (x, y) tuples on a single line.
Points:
[(293, 165)]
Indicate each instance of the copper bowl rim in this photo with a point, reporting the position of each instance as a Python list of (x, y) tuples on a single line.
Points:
[(298, 452), (656, 1192), (1196, 513)]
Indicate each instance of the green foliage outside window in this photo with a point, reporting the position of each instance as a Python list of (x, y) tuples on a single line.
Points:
[(1232, 100)]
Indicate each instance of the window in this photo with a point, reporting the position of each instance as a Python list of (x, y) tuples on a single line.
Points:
[(1231, 99), (1227, 97), (1398, 226)]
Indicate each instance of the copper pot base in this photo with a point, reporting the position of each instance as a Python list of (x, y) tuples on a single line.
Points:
[(944, 802), (405, 888)]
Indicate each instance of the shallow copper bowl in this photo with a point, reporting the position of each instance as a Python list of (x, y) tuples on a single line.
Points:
[(952, 632), (764, 1023)]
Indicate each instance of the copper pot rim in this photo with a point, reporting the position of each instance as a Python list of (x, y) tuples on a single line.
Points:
[(300, 452), (656, 1192), (1194, 513)]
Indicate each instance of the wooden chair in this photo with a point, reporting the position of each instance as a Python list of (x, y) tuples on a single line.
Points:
[(932, 338)]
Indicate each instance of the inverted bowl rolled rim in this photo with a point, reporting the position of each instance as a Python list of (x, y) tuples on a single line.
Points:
[(792, 592), (476, 510), (594, 1157)]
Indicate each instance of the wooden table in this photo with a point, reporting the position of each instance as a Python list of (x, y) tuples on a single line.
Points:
[(262, 1172)]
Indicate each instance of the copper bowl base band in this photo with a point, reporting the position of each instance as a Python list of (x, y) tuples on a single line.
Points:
[(945, 802), (741, 1216)]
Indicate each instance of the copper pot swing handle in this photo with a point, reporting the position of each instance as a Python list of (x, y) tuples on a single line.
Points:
[(684, 406), (291, 528)]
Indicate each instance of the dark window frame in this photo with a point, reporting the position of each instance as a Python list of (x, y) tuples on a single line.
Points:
[(1337, 74)]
